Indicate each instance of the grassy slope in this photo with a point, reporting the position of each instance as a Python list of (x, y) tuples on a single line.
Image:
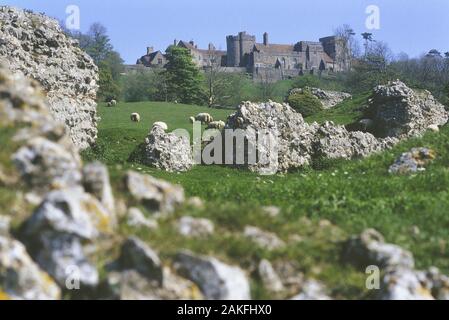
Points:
[(353, 195)]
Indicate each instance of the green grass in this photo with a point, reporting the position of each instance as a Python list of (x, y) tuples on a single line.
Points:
[(353, 195)]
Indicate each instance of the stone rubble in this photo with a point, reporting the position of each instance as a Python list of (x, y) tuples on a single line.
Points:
[(168, 151), (264, 239), (400, 112), (270, 279), (20, 277), (413, 161), (156, 195), (216, 280), (195, 227), (136, 218)]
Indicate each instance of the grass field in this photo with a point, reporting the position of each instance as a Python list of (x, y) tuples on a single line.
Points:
[(352, 195)]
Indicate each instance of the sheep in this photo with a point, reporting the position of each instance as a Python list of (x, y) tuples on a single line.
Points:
[(135, 117), (161, 125), (112, 103), (204, 118), (216, 125)]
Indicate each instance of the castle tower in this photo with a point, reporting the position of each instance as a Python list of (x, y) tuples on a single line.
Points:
[(338, 49), (233, 51), (265, 39)]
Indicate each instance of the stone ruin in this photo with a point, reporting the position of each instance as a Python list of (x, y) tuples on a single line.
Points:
[(35, 45)]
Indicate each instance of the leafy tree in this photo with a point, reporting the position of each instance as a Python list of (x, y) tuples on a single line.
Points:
[(183, 78)]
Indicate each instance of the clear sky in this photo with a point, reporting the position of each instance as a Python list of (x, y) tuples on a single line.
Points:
[(410, 26)]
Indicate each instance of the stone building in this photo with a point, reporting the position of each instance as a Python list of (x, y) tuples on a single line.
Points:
[(266, 60), (152, 59)]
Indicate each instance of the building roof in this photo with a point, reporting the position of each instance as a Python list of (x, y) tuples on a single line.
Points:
[(280, 48), (190, 46)]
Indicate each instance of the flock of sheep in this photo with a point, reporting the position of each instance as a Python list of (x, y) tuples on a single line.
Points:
[(204, 118)]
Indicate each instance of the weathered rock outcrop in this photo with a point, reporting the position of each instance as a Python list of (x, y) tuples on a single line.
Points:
[(398, 111), (168, 151), (35, 45)]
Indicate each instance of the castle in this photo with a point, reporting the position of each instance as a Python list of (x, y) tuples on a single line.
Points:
[(264, 60)]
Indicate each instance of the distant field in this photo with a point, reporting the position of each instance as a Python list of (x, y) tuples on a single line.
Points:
[(353, 195)]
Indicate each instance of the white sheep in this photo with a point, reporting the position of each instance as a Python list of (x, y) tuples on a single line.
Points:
[(112, 103), (216, 125), (434, 128), (204, 118), (161, 125), (135, 117)]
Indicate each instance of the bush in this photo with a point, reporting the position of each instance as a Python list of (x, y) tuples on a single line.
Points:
[(305, 103)]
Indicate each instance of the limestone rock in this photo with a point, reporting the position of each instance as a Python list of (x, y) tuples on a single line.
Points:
[(398, 111), (168, 151), (404, 284), (290, 135), (270, 279), (312, 290), (137, 255), (370, 249), (20, 277), (35, 45), (413, 161), (63, 257), (96, 181), (156, 195), (216, 280), (135, 218), (130, 285), (195, 227), (44, 165), (271, 211), (70, 211), (264, 239)]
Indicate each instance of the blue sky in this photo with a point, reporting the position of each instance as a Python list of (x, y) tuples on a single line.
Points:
[(411, 26)]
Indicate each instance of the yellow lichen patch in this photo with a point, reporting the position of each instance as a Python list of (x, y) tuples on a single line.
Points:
[(98, 214)]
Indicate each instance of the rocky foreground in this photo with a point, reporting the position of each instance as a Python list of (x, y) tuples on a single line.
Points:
[(76, 219)]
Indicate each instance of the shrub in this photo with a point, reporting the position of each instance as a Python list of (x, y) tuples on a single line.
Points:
[(305, 103)]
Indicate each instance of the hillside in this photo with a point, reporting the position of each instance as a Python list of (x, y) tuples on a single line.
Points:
[(353, 195)]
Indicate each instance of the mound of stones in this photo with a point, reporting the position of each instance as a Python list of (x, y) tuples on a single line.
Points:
[(35, 45), (329, 99), (400, 280), (399, 111), (168, 151)]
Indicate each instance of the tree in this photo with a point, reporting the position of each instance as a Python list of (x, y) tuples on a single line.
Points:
[(97, 44), (349, 42), (368, 37), (183, 78)]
